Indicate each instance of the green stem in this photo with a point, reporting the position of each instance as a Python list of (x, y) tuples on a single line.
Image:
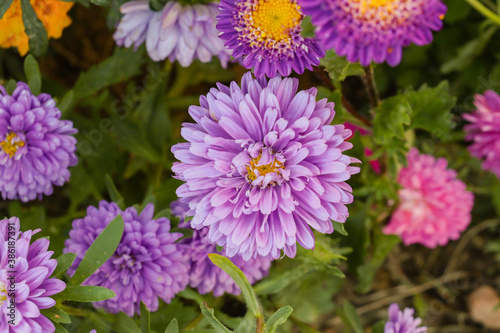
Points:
[(484, 11), (371, 87)]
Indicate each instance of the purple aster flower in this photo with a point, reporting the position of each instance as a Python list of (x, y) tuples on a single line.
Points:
[(204, 275), (179, 31), (403, 321), (32, 266), (146, 265), (36, 147), (484, 130), (266, 33), (263, 166), (366, 30)]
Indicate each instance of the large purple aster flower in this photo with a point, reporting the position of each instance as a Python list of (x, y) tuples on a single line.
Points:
[(179, 31), (207, 277), (266, 33), (25, 286), (263, 166), (484, 130), (146, 265), (403, 321), (366, 30), (36, 147)]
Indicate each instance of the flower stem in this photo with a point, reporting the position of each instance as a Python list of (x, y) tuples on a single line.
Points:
[(485, 11), (260, 325), (371, 87)]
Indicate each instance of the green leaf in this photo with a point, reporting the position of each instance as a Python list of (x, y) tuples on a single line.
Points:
[(351, 317), (240, 279), (339, 227), (59, 328), (133, 138), (34, 28), (431, 109), (378, 327), (173, 327), (11, 86), (63, 263), (33, 75), (278, 318), (85, 294), (209, 314), (122, 65), (100, 251), (145, 319), (65, 104), (277, 283), (4, 6), (247, 325), (390, 119), (339, 68), (495, 195), (101, 3), (115, 196), (57, 315), (125, 324)]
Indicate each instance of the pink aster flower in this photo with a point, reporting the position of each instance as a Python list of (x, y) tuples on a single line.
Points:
[(263, 167), (434, 205), (484, 130), (366, 30)]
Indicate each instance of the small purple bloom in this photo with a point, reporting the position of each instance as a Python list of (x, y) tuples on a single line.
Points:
[(36, 147), (266, 33), (484, 130), (30, 282), (403, 321), (207, 277), (146, 265), (374, 30), (179, 31), (263, 166)]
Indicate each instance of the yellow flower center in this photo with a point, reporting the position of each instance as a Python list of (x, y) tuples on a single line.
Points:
[(275, 18), (10, 144), (274, 166), (3, 293)]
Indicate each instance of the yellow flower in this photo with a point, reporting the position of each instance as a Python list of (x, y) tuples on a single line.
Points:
[(52, 13)]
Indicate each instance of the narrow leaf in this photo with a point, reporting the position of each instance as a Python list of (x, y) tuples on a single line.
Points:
[(100, 251), (4, 6), (85, 294), (240, 279), (339, 227), (57, 315), (173, 327), (33, 75), (115, 196), (65, 104), (278, 318), (209, 314), (145, 319), (63, 263), (378, 327), (59, 328), (34, 28), (352, 317), (125, 324)]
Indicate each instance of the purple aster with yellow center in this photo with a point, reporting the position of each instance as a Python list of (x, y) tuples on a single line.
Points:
[(266, 35), (203, 274), (25, 283), (36, 146), (374, 30), (263, 167), (148, 263)]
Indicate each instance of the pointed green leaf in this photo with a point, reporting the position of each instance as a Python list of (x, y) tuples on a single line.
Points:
[(59, 328), (247, 325), (278, 318), (173, 327), (33, 75), (339, 227), (65, 104), (100, 251), (379, 327), (209, 314), (339, 68), (240, 279), (4, 6), (34, 28), (125, 324), (115, 196), (11, 86), (63, 263), (145, 319), (57, 315), (85, 294), (351, 317), (391, 116)]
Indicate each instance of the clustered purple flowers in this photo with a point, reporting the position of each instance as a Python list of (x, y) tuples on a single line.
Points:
[(32, 266), (179, 31), (263, 166), (146, 265), (403, 321), (36, 147)]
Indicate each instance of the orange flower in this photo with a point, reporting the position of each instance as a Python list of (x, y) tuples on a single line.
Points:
[(52, 13)]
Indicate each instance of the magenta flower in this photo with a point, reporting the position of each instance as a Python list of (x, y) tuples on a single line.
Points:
[(179, 31), (36, 146), (374, 30), (146, 265), (203, 274), (434, 205), (263, 166), (266, 34), (484, 130), (403, 321), (27, 275)]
